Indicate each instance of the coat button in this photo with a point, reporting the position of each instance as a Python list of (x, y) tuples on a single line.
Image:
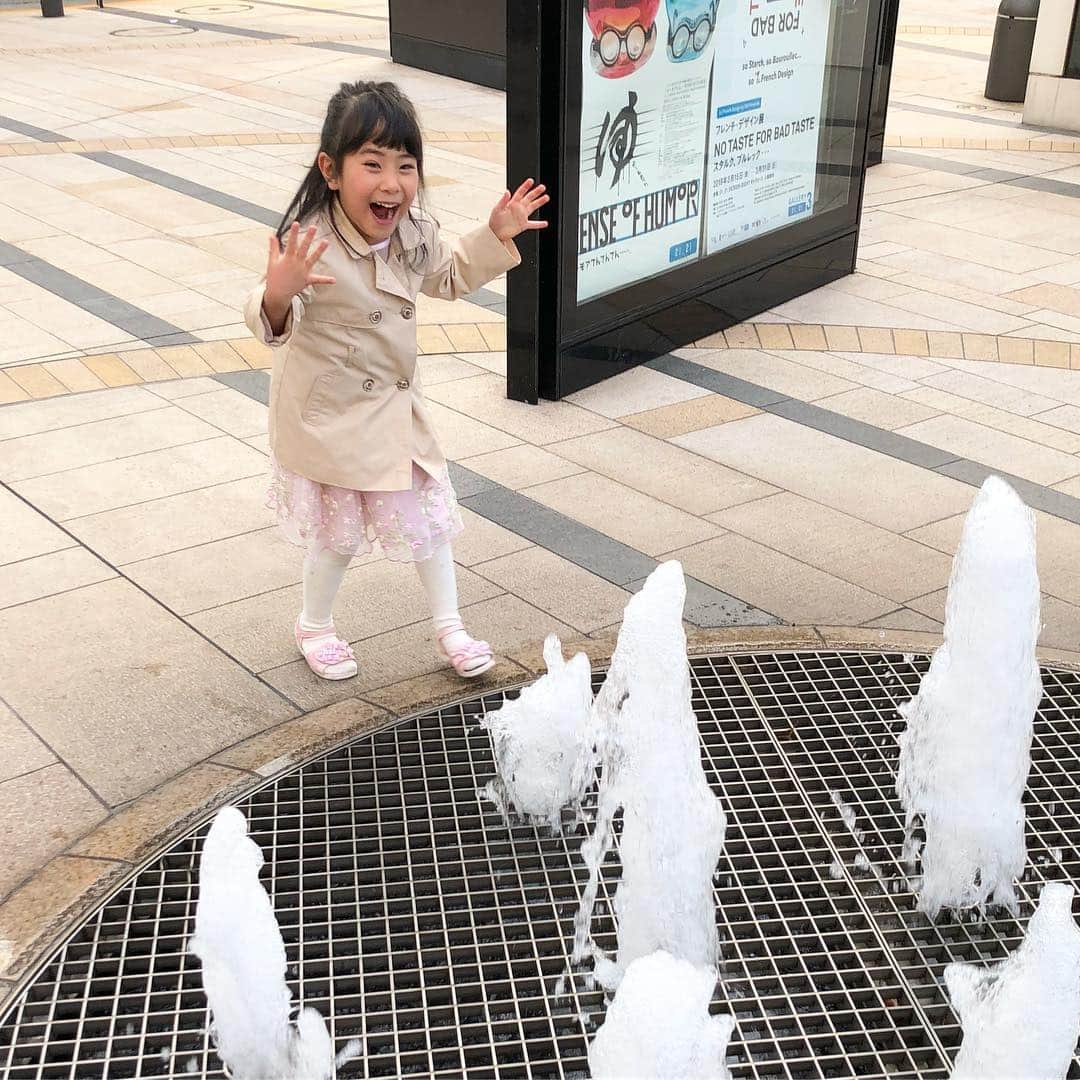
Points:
[(403, 384), (369, 385), (375, 317), (408, 311)]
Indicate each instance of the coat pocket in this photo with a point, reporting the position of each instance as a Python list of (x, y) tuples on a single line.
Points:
[(319, 396)]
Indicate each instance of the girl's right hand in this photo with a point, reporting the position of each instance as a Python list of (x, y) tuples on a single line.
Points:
[(289, 270), (289, 267)]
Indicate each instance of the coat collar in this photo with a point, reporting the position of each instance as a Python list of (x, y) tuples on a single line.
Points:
[(407, 236)]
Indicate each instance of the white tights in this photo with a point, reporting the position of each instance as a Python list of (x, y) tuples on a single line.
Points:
[(324, 572)]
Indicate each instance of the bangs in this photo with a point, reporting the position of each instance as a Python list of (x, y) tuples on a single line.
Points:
[(372, 118)]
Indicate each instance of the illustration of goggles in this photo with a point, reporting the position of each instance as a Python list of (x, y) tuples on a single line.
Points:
[(690, 33), (623, 35), (613, 42)]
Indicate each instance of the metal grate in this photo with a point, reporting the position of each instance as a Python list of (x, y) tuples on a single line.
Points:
[(415, 920)]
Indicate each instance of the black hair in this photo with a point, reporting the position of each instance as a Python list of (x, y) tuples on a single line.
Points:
[(359, 113)]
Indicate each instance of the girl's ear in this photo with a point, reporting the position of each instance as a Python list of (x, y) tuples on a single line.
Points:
[(326, 167)]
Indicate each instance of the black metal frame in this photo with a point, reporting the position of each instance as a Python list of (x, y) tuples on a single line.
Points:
[(879, 104), (556, 346), (1072, 56)]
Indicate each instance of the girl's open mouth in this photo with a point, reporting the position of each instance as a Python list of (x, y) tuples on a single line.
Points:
[(384, 212)]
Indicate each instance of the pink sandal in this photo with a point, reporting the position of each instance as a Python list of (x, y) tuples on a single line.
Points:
[(468, 660), (332, 659)]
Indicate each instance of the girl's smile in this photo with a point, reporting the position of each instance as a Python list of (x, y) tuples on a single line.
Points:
[(377, 185)]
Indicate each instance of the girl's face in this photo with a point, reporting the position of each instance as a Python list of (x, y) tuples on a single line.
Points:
[(376, 185)]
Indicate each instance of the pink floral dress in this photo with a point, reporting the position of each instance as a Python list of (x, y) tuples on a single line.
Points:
[(409, 525)]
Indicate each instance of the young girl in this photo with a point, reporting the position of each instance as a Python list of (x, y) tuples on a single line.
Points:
[(355, 456)]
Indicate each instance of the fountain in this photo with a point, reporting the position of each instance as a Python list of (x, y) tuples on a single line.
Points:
[(1021, 1018), (659, 1025), (965, 754), (543, 745), (673, 825), (239, 944)]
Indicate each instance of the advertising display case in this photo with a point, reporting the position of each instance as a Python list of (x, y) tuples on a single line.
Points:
[(706, 162)]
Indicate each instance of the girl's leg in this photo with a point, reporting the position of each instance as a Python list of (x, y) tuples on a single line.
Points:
[(326, 654), (440, 583)]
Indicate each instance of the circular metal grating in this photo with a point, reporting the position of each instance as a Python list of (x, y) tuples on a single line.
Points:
[(416, 921)]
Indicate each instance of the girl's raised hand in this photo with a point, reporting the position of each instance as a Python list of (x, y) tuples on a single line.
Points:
[(290, 267), (512, 212)]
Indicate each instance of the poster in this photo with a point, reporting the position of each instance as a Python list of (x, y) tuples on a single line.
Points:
[(766, 105), (699, 130), (646, 69)]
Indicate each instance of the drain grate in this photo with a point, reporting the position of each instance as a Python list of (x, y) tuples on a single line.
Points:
[(416, 921)]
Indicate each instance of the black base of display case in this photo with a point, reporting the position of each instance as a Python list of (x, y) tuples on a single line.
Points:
[(464, 39), (686, 321), (481, 68)]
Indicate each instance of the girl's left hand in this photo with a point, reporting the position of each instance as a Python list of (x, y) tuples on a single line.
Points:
[(512, 212)]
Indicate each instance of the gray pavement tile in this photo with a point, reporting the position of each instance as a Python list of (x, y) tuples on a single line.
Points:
[(93, 489), (180, 184), (118, 437), (587, 547), (186, 519), (641, 521), (707, 606), (23, 751), (872, 558), (662, 470), (61, 810), (45, 575), (198, 24), (343, 47), (483, 540), (127, 317), (906, 619), (868, 485), (717, 381), (24, 533), (1046, 183), (231, 412), (862, 434), (468, 483), (255, 384), (1035, 495), (33, 417), (221, 572), (130, 695), (31, 131), (174, 389), (570, 593)]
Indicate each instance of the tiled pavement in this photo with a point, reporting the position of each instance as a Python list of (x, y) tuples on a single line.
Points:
[(811, 469)]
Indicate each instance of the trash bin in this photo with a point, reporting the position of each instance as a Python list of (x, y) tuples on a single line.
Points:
[(1010, 54), (51, 9)]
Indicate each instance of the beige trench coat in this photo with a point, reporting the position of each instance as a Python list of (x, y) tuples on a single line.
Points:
[(346, 405)]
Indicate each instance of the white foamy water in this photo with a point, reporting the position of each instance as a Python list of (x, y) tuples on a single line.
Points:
[(543, 743), (1021, 1018), (659, 1027), (965, 754), (239, 944), (673, 825)]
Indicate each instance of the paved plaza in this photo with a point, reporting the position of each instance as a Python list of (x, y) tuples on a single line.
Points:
[(810, 469)]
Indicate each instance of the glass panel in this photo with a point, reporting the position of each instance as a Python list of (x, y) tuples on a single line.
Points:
[(708, 124)]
